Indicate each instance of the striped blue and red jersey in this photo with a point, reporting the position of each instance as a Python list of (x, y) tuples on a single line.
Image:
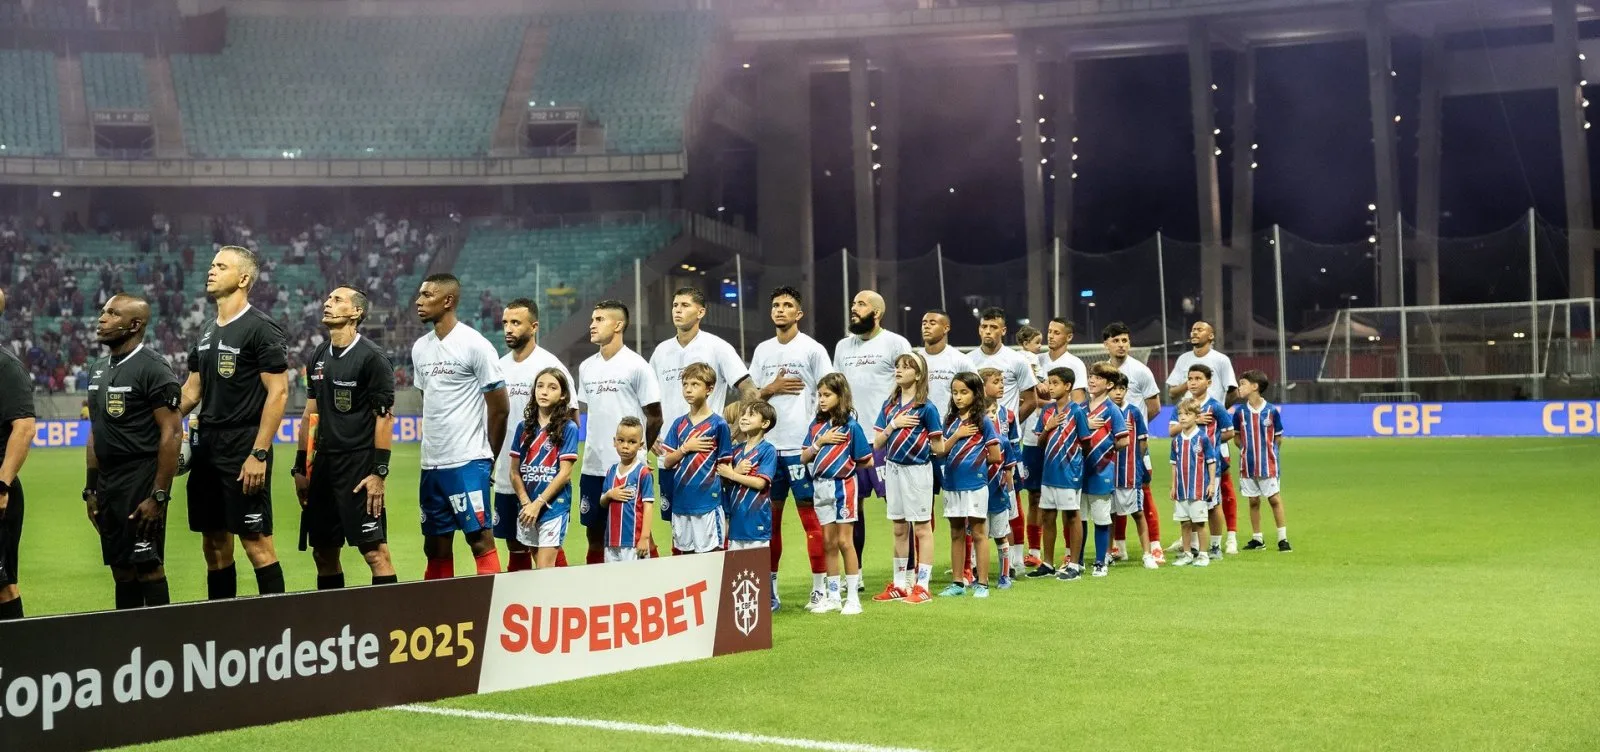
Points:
[(749, 509), (1194, 462), (1258, 432), (539, 457), (1063, 447), (696, 488), (837, 461), (966, 465), (1006, 428), (1220, 421), (1100, 447), (1130, 459), (914, 445), (626, 520)]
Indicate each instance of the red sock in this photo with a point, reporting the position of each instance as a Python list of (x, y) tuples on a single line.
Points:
[(972, 558), (1230, 504), (813, 528), (488, 562), (1152, 518), (1035, 536), (439, 569), (655, 554), (519, 561), (776, 544), (596, 555), (1017, 525), (1119, 528), (675, 551), (561, 557)]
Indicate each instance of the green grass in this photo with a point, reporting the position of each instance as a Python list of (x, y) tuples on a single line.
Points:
[(1440, 596)]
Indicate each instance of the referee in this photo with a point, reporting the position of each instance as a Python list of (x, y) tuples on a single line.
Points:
[(16, 436), (238, 370), (133, 419), (351, 394)]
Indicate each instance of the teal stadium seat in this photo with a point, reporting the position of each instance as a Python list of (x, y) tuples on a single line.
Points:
[(349, 88), (115, 81), (635, 73), (30, 110)]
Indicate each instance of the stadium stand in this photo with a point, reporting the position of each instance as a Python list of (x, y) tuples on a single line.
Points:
[(634, 73), (115, 81), (407, 87), (30, 110)]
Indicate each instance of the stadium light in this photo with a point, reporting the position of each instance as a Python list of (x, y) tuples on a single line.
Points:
[(1213, 87), (1041, 97), (1397, 118), (1324, 270), (1074, 176), (1581, 57), (1372, 207), (1074, 139), (2, 147), (721, 209), (952, 190), (1045, 160), (1372, 238), (872, 104), (1490, 342), (1253, 147), (1074, 157), (1253, 165), (747, 66), (1296, 348), (875, 165), (55, 194), (1584, 82), (872, 127), (1217, 151), (1216, 131)]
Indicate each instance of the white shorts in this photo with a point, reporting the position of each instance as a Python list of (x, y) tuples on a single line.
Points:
[(699, 533), (1191, 510), (1099, 508), (1000, 525), (838, 502), (1126, 502), (963, 504), (622, 553), (734, 545), (547, 534), (1258, 487), (910, 492), (1065, 499)]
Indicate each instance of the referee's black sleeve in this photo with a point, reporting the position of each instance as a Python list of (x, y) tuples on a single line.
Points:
[(16, 390), (194, 359), (271, 355), (379, 378)]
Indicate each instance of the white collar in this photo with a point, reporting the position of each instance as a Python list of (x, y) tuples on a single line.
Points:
[(235, 316), (126, 358), (352, 346)]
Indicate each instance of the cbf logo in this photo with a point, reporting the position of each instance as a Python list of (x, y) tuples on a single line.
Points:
[(746, 602)]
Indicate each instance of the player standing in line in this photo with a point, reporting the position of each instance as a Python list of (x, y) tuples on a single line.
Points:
[(132, 457), (834, 448), (613, 384), (788, 368), (544, 448), (1224, 389), (1194, 480), (1217, 424), (1258, 427), (520, 366), (908, 430), (1142, 393), (692, 449), (749, 474), (1108, 433), (464, 409), (1059, 336), (690, 345), (1004, 510), (349, 401), (237, 377), (1133, 472), (1021, 377), (944, 362), (16, 437), (973, 446), (867, 358), (1062, 426), (630, 490)]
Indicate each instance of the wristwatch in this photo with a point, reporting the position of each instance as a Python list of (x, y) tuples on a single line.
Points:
[(87, 492), (160, 496), (259, 454), (382, 471)]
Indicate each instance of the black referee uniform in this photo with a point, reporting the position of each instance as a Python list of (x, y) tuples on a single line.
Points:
[(353, 386), (124, 394), (230, 359), (16, 403)]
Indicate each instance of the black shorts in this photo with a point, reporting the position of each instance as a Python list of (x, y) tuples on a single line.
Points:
[(11, 535), (122, 489), (217, 501), (336, 514)]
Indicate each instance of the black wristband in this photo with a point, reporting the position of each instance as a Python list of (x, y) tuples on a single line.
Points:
[(299, 464), (91, 479), (380, 458)]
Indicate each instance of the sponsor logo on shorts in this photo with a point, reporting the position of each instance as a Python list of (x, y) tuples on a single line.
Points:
[(368, 527)]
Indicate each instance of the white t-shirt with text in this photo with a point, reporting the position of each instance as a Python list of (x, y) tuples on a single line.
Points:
[(804, 358), (667, 363), (868, 366), (454, 373), (942, 370), (519, 390), (611, 389)]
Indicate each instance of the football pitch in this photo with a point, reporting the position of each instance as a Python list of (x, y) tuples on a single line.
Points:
[(1440, 595)]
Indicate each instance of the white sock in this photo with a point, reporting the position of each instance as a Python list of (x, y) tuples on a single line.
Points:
[(900, 572), (924, 574), (833, 587), (1005, 560), (850, 582), (1283, 533), (1034, 552), (1257, 536), (1122, 545), (816, 581), (1233, 537), (774, 582), (1017, 552)]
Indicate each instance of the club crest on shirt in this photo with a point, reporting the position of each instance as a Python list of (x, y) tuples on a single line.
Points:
[(116, 405), (342, 400), (227, 362)]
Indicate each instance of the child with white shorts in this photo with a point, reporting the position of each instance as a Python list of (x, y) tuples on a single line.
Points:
[(1194, 480), (971, 447), (908, 430), (835, 448)]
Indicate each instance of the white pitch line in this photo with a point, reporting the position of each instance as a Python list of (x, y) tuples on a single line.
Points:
[(665, 729)]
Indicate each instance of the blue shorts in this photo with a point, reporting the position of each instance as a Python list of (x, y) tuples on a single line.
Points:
[(1033, 465), (665, 480), (938, 475), (870, 479), (793, 477), (506, 509), (999, 499), (590, 511), (456, 498)]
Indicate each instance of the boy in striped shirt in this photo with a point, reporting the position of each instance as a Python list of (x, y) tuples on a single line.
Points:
[(1108, 433), (1004, 509), (630, 490), (1258, 430), (1062, 426), (1194, 480), (1217, 424), (1133, 470)]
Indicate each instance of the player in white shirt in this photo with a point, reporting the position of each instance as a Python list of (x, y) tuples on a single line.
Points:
[(1058, 336), (1142, 390), (464, 409), (520, 324), (787, 368), (944, 361), (1224, 389), (866, 358), (691, 345), (1019, 379), (613, 383)]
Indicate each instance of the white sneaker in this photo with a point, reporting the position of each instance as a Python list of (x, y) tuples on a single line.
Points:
[(1119, 554), (817, 597), (1185, 560), (851, 607), (1177, 546), (1233, 547), (1203, 561), (826, 605), (1150, 562)]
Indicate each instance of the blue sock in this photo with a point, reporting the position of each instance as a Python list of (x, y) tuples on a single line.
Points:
[(1102, 544)]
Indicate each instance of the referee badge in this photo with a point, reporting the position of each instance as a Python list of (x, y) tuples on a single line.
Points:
[(116, 405), (342, 400), (226, 361)]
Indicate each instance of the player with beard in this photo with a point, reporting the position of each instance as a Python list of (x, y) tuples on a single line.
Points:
[(520, 367), (237, 377), (613, 384), (350, 399), (16, 437), (135, 433), (866, 358), (464, 409)]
